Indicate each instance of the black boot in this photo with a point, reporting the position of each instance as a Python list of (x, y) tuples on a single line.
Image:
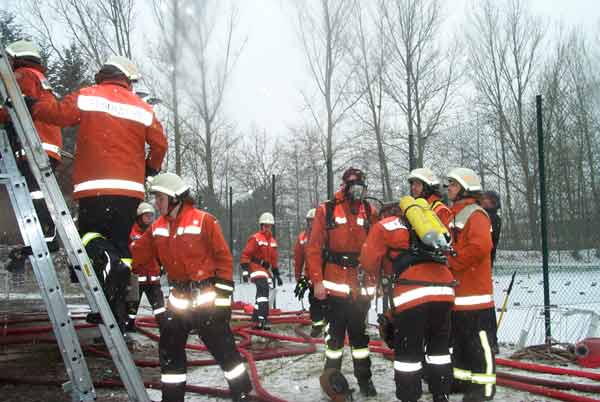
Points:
[(17, 260), (367, 388), (262, 325), (241, 397)]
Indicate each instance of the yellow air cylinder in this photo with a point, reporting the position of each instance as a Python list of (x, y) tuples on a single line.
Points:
[(423, 227), (443, 234)]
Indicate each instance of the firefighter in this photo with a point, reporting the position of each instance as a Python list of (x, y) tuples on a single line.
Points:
[(259, 263), (147, 276), (338, 232), (302, 281), (473, 323), (110, 167), (190, 244), (26, 62), (425, 184), (420, 296)]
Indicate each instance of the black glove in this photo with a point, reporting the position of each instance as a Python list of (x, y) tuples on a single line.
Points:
[(224, 289), (150, 172), (29, 101), (245, 274), (301, 288), (277, 276)]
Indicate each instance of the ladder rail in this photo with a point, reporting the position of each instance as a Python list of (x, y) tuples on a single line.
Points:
[(42, 170)]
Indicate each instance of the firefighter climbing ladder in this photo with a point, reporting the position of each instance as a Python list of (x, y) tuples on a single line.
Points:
[(80, 384)]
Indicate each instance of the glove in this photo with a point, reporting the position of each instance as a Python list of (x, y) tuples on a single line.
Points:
[(224, 289), (245, 274), (301, 288), (277, 276)]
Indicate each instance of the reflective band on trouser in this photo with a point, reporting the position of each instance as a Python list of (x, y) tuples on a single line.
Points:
[(109, 184), (334, 353), (488, 378), (337, 287), (178, 303), (259, 274), (262, 299), (224, 287), (370, 291), (127, 261), (142, 278), (88, 237), (235, 372), (173, 378), (319, 323), (438, 359), (148, 278), (460, 374), (132, 316), (51, 147), (159, 310), (360, 353), (472, 300), (36, 195), (223, 301), (407, 367), (418, 293), (205, 298)]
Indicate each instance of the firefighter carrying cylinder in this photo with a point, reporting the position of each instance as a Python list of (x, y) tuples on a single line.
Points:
[(425, 223)]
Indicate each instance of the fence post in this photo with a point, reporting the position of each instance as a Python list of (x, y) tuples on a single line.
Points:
[(544, 225)]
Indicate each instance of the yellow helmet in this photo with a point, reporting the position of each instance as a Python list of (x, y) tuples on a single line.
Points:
[(124, 65), (23, 48), (425, 175), (467, 178)]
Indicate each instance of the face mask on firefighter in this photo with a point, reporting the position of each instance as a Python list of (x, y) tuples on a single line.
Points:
[(356, 190)]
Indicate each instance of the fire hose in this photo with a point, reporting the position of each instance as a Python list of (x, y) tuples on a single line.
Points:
[(547, 387)]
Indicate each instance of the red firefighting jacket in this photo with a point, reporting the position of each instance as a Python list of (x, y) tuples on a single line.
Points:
[(472, 265), (385, 241), (191, 246), (347, 236), (261, 247), (440, 209), (114, 127), (34, 84), (148, 273), (299, 257)]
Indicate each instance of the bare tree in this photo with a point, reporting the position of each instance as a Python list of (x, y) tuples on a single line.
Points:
[(99, 28), (328, 42), (420, 76)]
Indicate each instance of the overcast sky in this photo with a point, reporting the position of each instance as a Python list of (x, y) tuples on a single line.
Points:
[(271, 71)]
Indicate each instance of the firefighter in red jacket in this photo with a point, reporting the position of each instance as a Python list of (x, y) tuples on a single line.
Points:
[(473, 320), (190, 244), (259, 261), (338, 232), (110, 167), (148, 276), (302, 282), (29, 72), (420, 296), (425, 184)]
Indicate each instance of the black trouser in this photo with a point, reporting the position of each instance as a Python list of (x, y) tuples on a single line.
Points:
[(345, 315), (261, 307), (110, 215), (473, 354), (422, 334), (316, 309), (39, 201), (112, 274), (218, 338), (155, 297)]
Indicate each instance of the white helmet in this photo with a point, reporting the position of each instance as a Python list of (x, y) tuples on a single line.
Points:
[(23, 48), (169, 184), (266, 218), (124, 65), (144, 208), (425, 175), (311, 213), (467, 178)]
